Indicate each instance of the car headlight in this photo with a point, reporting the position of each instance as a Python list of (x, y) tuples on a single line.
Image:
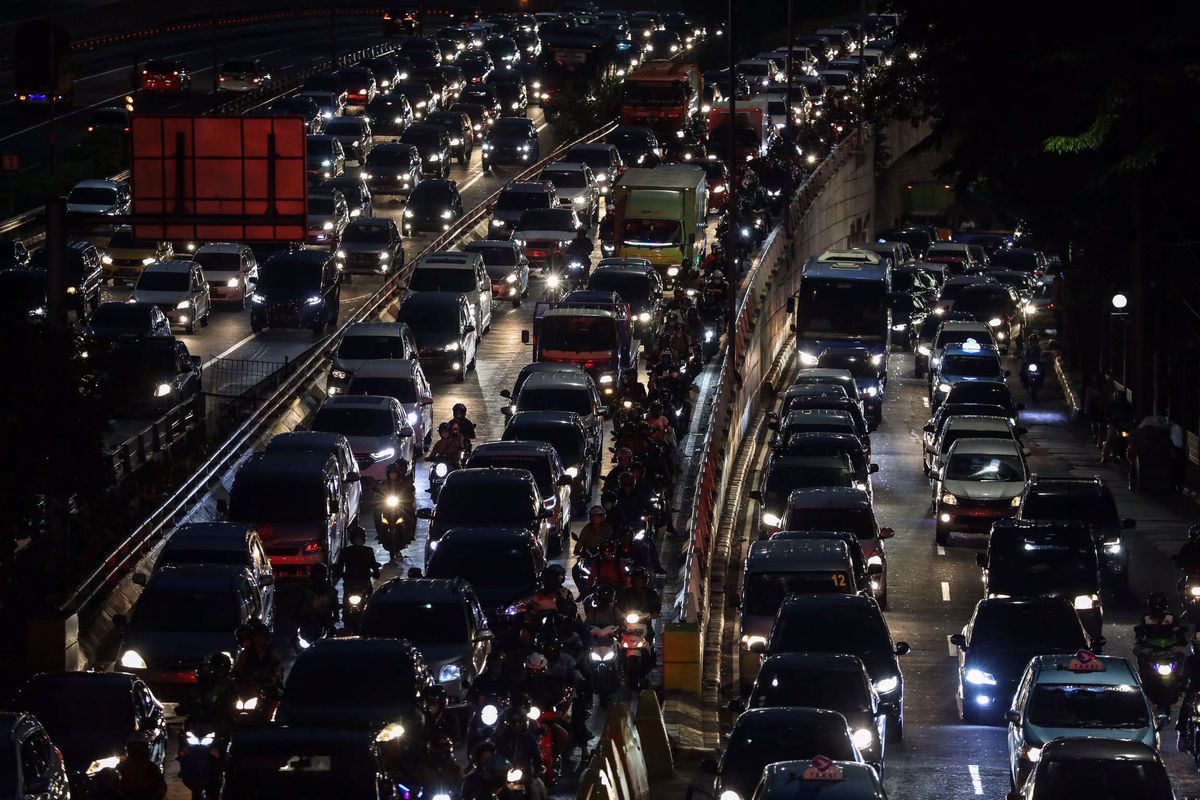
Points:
[(147, 261), (184, 304), (887, 685), (751, 639), (435, 157), (449, 672), (980, 678), (862, 738), (110, 762), (580, 200), (233, 283), (949, 499), (808, 359), (447, 214), (257, 298), (1031, 754), (383, 454), (572, 472), (455, 142), (1164, 668), (900, 326), (1086, 602), (1030, 309), (994, 322), (453, 346), (871, 391), (384, 256), (390, 733), (923, 350), (132, 659), (408, 214), (327, 226), (771, 520), (314, 300), (552, 281), (421, 104), (338, 374), (1112, 548), (1032, 368), (944, 388), (672, 272), (1015, 502), (163, 389), (411, 417), (510, 278)]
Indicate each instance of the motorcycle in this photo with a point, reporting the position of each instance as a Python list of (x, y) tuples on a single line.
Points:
[(354, 598), (438, 470), (485, 718), (201, 758), (578, 269), (391, 526), (604, 663), (636, 646), (544, 719), (1189, 594), (254, 706), (1160, 663), (1033, 376)]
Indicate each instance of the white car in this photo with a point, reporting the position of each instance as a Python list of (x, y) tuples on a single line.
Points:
[(404, 380), (231, 270), (98, 197), (576, 187), (979, 482), (179, 289), (376, 427)]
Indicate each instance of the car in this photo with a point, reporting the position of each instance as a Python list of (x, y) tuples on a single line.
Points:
[(835, 681), (828, 397), (107, 124), (1045, 558), (454, 81), (276, 763), (390, 115), (334, 445), (953, 286), (149, 376), (510, 92), (984, 392), (403, 380), (327, 214), (994, 305), (360, 85), (909, 312), (390, 681), (82, 268), (327, 82), (819, 777), (948, 411), (1091, 766), (511, 140), (516, 198), (329, 105), (476, 67), (1021, 283), (457, 126), (243, 75), (1077, 693), (566, 432), (503, 50), (355, 191), (978, 481), (801, 423), (482, 117), (367, 341), (298, 289), (842, 509), (824, 443), (868, 376), (604, 160), (114, 320), (371, 246), (221, 543), (125, 257), (377, 428), (761, 72), (180, 289), (542, 461), (545, 235), (392, 168), (637, 283), (506, 266), (944, 431), (231, 271), (354, 134), (1025, 259), (964, 363), (663, 44), (162, 75), (488, 497), (535, 367), (325, 158), (958, 330), (457, 272), (502, 565), (415, 46), (32, 764), (386, 70), (1087, 500), (637, 145), (302, 106), (783, 475), (443, 325), (826, 376), (183, 616), (420, 96), (576, 188), (443, 618), (762, 736), (120, 706), (923, 337), (997, 643), (433, 205)]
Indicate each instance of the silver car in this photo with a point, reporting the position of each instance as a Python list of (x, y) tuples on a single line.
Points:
[(328, 216), (231, 270), (179, 289), (577, 189), (376, 426), (99, 197)]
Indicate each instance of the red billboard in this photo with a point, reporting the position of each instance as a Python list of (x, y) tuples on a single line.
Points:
[(203, 178)]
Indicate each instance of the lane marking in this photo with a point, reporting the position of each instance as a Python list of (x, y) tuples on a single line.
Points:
[(945, 591), (232, 347), (941, 550), (976, 781), (951, 648), (925, 400)]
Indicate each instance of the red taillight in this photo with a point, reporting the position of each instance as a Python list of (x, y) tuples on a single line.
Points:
[(312, 547)]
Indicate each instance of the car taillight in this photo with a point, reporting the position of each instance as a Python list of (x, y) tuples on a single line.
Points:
[(312, 547)]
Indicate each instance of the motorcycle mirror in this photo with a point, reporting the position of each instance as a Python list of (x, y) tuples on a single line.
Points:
[(871, 470), (424, 513), (737, 705), (886, 533), (958, 640), (791, 306), (1013, 716), (506, 394), (929, 429), (756, 495), (709, 765), (524, 337), (981, 560), (902, 648)]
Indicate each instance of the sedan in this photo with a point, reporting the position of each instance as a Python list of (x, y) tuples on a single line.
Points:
[(242, 76), (392, 168), (506, 266), (328, 216)]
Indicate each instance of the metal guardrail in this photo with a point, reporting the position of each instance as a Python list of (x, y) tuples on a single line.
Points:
[(303, 373), (169, 430)]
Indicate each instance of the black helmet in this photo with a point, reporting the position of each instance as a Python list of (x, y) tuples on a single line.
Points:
[(639, 572), (243, 634), (459, 408), (444, 427), (358, 535), (486, 746), (259, 628), (656, 409), (608, 499), (1194, 533), (1157, 604), (605, 595), (434, 697), (220, 664), (550, 579)]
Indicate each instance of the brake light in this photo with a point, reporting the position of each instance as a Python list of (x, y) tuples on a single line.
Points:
[(312, 547)]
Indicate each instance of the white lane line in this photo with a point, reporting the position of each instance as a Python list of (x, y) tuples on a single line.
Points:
[(925, 400), (951, 649), (941, 550), (976, 781), (232, 347), (945, 591)]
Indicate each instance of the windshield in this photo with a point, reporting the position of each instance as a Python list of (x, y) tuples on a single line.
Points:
[(495, 255), (578, 334), (486, 563), (120, 315), (402, 389), (320, 149), (520, 201), (163, 281), (290, 277), (510, 128), (652, 232), (985, 467), (563, 438), (478, 502), (548, 219), (859, 521), (217, 261), (552, 399), (538, 466), (439, 279), (355, 421), (321, 205), (425, 320), (1026, 566), (785, 476), (279, 499), (382, 680), (1089, 706), (1098, 509), (369, 232), (56, 705), (833, 630), (390, 158), (840, 690), (187, 612), (572, 179), (418, 622), (831, 309), (430, 195), (1009, 259), (764, 592), (971, 366), (857, 366), (633, 289), (983, 303), (1109, 779), (365, 348), (92, 197), (1030, 628), (343, 126), (287, 770)]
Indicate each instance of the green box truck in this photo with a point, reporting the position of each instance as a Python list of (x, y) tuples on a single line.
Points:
[(660, 214)]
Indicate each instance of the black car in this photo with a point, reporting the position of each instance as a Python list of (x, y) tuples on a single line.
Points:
[(483, 95), (457, 126), (298, 106), (639, 286), (437, 82), (355, 192), (784, 474), (827, 443), (390, 679), (503, 50), (994, 393), (390, 115), (420, 96), (299, 289), (282, 763), (512, 140), (433, 143), (908, 313), (118, 705), (763, 736), (501, 564), (604, 159), (433, 206), (13, 253), (1089, 766), (1024, 259), (565, 431), (845, 623), (82, 273), (866, 577), (637, 145), (869, 375), (481, 117), (510, 92), (147, 377), (393, 168), (993, 305), (997, 643), (444, 326), (924, 335), (475, 66), (371, 246), (836, 681), (385, 70), (397, 21), (113, 321), (484, 498), (507, 268)]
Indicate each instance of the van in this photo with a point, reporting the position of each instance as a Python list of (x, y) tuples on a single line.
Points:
[(84, 274), (775, 569), (430, 271), (334, 444), (299, 505)]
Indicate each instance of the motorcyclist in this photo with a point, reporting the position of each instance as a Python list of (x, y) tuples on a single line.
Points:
[(596, 532), (212, 696), (657, 420), (456, 432), (1157, 623), (1120, 418), (1033, 351), (600, 610), (716, 291), (565, 669), (631, 389), (484, 776), (357, 564), (1188, 557), (552, 596), (641, 599), (466, 426), (398, 484), (257, 664), (446, 448), (623, 463), (438, 721), (516, 743), (320, 604), (141, 777), (545, 692), (580, 250), (438, 772)]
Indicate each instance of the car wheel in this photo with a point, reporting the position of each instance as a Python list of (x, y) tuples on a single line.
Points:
[(461, 377), (191, 326), (1135, 478), (895, 727), (941, 536), (257, 327)]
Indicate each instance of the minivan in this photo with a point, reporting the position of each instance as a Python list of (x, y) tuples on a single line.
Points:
[(334, 444), (459, 273)]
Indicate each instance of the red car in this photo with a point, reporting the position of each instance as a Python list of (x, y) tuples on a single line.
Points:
[(166, 76), (718, 184)]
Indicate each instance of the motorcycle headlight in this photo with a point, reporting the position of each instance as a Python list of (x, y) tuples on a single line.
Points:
[(807, 359), (552, 281), (391, 501), (994, 322), (198, 741), (1015, 502), (1194, 591), (163, 389), (327, 226), (453, 346), (110, 762), (408, 214), (949, 499), (887, 685), (390, 733), (571, 472), (233, 283), (1164, 668), (489, 715), (1086, 602), (183, 304), (355, 600), (514, 776), (455, 142), (862, 738), (672, 272), (534, 713), (1032, 368), (980, 678), (771, 520), (314, 300), (440, 470), (729, 794), (131, 659)]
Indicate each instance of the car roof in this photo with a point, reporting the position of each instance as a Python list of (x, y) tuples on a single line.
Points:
[(386, 368), (524, 447), (829, 497), (478, 475), (210, 536), (220, 247), (997, 447), (314, 441), (1094, 748), (566, 166), (557, 380), (433, 299), (978, 422), (1068, 485), (539, 187), (488, 533), (435, 589), (815, 602), (824, 372), (373, 329), (197, 577), (841, 439), (859, 782), (787, 716), (1055, 669), (977, 350), (292, 463), (303, 257), (568, 418), (360, 401), (98, 184), (796, 555), (550, 366), (801, 414), (824, 661), (174, 267), (103, 678)]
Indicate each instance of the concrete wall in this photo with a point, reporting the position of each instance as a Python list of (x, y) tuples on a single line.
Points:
[(904, 165)]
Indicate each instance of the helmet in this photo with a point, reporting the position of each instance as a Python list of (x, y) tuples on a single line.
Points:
[(557, 569), (358, 535), (434, 697), (1156, 603), (1194, 533), (243, 634), (596, 511), (605, 595), (624, 452), (440, 745), (639, 572), (400, 465), (550, 579), (608, 499), (459, 408), (484, 747), (220, 664), (444, 427), (536, 663)]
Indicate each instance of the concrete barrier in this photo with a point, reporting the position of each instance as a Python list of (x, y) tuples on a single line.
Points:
[(652, 732), (617, 770)]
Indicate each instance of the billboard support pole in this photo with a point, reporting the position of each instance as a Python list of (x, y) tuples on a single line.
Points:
[(271, 156), (180, 172)]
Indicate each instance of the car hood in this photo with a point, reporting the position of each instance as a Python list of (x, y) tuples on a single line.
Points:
[(363, 247), (438, 655), (571, 192), (499, 141), (285, 295), (984, 490), (1004, 664), (544, 235), (158, 298), (110, 333), (434, 339), (369, 444), (341, 716), (91, 208), (1036, 735), (321, 219), (81, 748), (158, 645)]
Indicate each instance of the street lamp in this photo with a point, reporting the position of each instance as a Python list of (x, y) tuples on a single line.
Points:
[(1119, 301)]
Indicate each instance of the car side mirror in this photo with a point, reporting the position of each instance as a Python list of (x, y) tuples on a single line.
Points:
[(426, 401), (506, 394), (469, 329), (405, 432), (195, 361), (1013, 716), (959, 641), (872, 469), (424, 513), (564, 480), (604, 411), (266, 580), (874, 570), (981, 560), (886, 533), (1128, 524), (756, 495), (120, 620), (773, 425), (902, 648), (524, 337), (139, 578), (929, 429), (709, 765), (737, 705)]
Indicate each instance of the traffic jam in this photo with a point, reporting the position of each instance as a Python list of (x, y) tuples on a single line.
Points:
[(441, 579)]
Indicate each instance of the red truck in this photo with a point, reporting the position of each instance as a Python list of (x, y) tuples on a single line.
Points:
[(662, 95), (594, 331)]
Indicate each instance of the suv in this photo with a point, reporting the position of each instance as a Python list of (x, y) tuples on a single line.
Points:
[(371, 246), (516, 198), (443, 325), (564, 391), (604, 160), (219, 543), (298, 289), (512, 140), (960, 426), (377, 428), (460, 273), (1085, 500), (964, 363), (179, 289), (231, 270), (980, 480), (542, 461), (458, 126), (502, 564), (84, 274), (403, 380), (507, 267), (367, 341), (433, 143), (577, 189)]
